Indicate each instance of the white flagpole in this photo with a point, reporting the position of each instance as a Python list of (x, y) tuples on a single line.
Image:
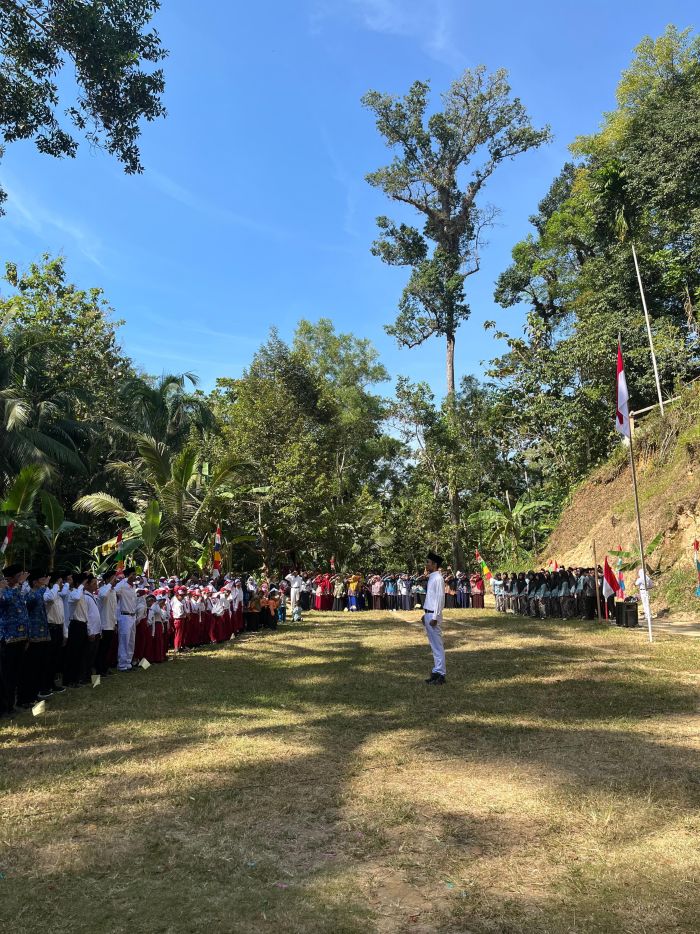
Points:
[(645, 603), (651, 340)]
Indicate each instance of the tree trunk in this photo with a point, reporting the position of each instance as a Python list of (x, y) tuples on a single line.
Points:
[(453, 492)]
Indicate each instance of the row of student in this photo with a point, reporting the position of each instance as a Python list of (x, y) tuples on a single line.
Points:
[(58, 630), (394, 591)]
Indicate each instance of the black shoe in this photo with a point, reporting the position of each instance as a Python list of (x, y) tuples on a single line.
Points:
[(45, 695), (431, 679), (437, 679), (57, 688)]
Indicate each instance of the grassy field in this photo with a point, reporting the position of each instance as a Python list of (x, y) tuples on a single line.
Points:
[(307, 780)]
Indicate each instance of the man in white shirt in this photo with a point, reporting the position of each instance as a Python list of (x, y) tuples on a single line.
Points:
[(107, 600), (295, 582), (432, 616), (126, 602)]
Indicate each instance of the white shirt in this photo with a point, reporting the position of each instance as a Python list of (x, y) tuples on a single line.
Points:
[(107, 600), (435, 597), (155, 615), (178, 608), (126, 597), (76, 605), (94, 622), (54, 606), (295, 581)]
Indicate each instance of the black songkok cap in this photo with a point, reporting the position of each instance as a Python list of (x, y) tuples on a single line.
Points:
[(433, 556)]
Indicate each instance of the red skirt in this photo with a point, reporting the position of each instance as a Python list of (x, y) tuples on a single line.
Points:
[(156, 649), (141, 639), (238, 619), (212, 626), (227, 625), (180, 633)]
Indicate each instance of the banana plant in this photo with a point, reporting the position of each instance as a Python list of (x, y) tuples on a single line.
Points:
[(56, 524), (17, 507)]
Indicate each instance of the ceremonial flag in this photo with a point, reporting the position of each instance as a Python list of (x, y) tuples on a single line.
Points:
[(610, 582), (485, 573), (120, 553), (620, 575), (622, 417), (696, 549), (217, 548), (7, 541), (333, 563)]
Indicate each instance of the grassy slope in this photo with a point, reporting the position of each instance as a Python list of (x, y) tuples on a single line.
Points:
[(308, 781), (602, 508)]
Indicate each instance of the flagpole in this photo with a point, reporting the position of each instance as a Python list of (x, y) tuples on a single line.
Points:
[(639, 533), (651, 340), (595, 578)]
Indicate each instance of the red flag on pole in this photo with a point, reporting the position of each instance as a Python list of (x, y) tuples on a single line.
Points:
[(610, 582), (622, 417), (7, 541)]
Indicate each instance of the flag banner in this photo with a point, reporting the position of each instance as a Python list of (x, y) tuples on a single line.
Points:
[(611, 585), (217, 549), (485, 572), (120, 554), (696, 550), (7, 541), (622, 417)]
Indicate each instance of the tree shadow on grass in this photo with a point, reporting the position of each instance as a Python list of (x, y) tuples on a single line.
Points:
[(273, 835)]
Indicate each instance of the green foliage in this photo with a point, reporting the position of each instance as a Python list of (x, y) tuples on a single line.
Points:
[(107, 45)]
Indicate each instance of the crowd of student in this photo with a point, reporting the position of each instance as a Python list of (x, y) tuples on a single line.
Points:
[(60, 630)]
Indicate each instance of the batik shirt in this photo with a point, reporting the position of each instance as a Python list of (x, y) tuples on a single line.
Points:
[(38, 620), (14, 620)]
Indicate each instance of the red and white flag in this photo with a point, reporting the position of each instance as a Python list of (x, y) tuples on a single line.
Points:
[(622, 417), (610, 582), (7, 541)]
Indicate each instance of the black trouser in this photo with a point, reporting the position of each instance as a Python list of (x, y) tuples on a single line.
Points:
[(34, 677), (590, 607), (56, 651), (91, 648), (105, 644), (11, 657), (76, 648)]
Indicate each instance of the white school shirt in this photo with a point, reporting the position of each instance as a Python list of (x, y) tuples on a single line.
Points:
[(434, 602), (76, 605), (54, 606), (178, 608), (107, 600), (295, 581), (236, 598), (155, 615), (94, 622), (126, 598)]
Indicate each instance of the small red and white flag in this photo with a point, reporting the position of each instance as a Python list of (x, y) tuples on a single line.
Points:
[(610, 582), (7, 541), (622, 416)]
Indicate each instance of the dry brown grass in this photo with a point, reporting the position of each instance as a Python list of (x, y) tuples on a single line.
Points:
[(308, 781)]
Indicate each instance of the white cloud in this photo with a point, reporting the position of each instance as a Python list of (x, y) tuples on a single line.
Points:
[(429, 22), (24, 212)]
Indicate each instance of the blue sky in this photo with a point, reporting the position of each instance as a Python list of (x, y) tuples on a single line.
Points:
[(253, 210)]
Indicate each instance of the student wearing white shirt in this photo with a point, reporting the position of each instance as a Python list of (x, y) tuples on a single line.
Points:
[(296, 582), (94, 628), (107, 600), (58, 630), (433, 606), (77, 642), (126, 602)]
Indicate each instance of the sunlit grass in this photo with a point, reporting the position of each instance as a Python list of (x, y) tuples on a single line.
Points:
[(307, 780)]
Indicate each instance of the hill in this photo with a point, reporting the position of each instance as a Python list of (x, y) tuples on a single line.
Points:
[(601, 509)]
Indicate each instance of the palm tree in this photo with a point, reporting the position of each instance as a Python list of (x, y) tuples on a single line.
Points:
[(162, 408), (176, 508), (36, 423)]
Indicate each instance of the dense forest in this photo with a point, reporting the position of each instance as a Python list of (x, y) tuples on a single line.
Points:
[(311, 454)]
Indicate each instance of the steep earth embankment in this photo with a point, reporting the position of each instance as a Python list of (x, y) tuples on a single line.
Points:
[(668, 473)]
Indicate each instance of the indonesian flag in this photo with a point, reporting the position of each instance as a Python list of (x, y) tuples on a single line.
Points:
[(7, 541), (120, 555), (217, 548), (610, 583), (622, 417), (485, 573)]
